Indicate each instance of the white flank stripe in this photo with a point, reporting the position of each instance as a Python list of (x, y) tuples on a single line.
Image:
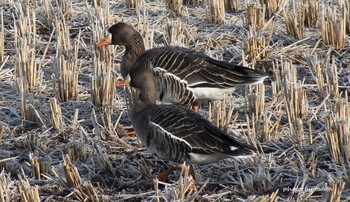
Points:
[(158, 69), (232, 148), (170, 135)]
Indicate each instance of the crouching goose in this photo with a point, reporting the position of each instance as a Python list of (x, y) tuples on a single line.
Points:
[(174, 132), (183, 76)]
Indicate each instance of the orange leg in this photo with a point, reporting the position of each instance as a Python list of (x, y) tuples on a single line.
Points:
[(131, 133), (195, 107), (163, 175), (122, 83), (185, 172)]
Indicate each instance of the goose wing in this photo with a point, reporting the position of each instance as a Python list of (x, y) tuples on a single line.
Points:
[(182, 124), (200, 70)]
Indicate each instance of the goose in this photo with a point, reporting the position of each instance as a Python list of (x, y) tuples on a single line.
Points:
[(183, 76), (174, 132)]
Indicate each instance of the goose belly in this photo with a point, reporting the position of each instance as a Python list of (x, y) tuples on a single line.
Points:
[(205, 158), (211, 93)]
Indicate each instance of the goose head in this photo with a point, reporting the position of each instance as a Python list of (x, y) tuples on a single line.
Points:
[(122, 34)]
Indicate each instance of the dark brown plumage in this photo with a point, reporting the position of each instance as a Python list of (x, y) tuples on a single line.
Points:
[(182, 75), (174, 132)]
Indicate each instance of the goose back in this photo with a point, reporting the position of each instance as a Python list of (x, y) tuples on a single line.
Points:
[(197, 74), (178, 134)]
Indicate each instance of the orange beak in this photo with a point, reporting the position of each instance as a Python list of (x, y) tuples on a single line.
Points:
[(105, 42)]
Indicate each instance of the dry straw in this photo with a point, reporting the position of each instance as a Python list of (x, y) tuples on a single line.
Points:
[(325, 73), (193, 2), (39, 166), (271, 7), (337, 133), (221, 113), (66, 64), (26, 191), (296, 103), (255, 16), (66, 8), (103, 162), (71, 173), (5, 186), (257, 44), (295, 20), (311, 12), (335, 191), (87, 192), (177, 7), (56, 115), (2, 132), (48, 9), (232, 5), (103, 90), (26, 68), (2, 36), (99, 2), (179, 33), (313, 105), (134, 4), (217, 11), (346, 7), (259, 122), (76, 150), (333, 27)]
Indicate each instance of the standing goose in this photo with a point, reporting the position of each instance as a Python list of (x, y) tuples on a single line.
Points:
[(174, 132), (183, 76)]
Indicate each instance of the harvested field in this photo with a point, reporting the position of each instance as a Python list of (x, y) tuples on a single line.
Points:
[(62, 122)]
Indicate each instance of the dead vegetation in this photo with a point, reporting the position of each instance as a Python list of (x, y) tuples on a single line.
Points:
[(217, 11), (256, 15), (62, 121), (232, 5), (295, 20)]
